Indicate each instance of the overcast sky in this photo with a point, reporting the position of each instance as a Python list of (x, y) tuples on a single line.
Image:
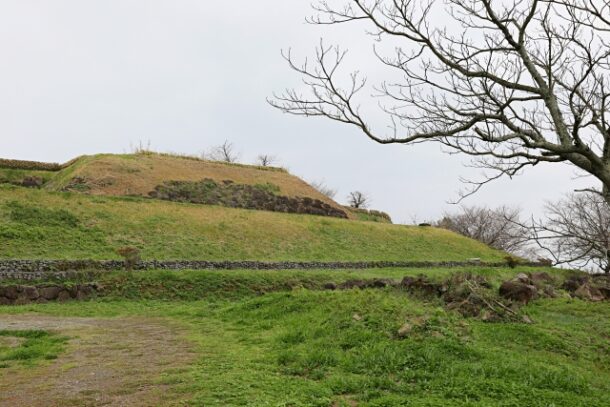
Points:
[(89, 76)]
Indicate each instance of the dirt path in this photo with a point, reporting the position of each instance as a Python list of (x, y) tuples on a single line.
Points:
[(109, 362)]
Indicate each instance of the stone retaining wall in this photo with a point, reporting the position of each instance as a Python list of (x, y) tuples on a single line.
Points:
[(35, 269), (23, 294)]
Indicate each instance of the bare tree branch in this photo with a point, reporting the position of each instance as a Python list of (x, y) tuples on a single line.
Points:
[(225, 152), (576, 231), (500, 228), (512, 84), (266, 160)]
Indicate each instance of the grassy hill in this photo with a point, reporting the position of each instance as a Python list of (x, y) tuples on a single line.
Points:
[(139, 174), (43, 224)]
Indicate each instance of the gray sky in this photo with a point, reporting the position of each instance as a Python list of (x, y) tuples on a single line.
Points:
[(88, 76)]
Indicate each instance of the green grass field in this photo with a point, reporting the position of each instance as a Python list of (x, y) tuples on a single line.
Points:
[(53, 225), (302, 347)]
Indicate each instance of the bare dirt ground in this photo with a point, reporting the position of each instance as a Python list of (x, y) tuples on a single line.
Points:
[(108, 362)]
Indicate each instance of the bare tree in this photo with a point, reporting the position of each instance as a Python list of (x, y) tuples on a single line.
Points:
[(512, 83), (577, 231), (358, 200), (225, 152), (501, 227), (324, 189), (266, 160)]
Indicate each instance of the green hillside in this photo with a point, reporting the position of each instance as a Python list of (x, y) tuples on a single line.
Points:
[(42, 224)]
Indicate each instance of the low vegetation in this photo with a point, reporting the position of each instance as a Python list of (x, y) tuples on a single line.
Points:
[(28, 347), (369, 215)]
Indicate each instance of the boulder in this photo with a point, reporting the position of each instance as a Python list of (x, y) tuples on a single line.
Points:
[(330, 286), (542, 277), (10, 292), (63, 296), (381, 283), (353, 284), (405, 330), (574, 282), (422, 285), (589, 292), (50, 292), (22, 300), (32, 182), (31, 293), (518, 291), (523, 278)]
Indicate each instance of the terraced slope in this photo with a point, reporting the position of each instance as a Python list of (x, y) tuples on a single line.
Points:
[(52, 225)]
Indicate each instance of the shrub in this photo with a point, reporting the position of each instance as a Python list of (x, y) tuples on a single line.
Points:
[(130, 255), (512, 261), (30, 165), (369, 215)]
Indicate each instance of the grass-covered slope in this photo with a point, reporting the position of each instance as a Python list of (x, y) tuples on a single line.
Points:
[(42, 224)]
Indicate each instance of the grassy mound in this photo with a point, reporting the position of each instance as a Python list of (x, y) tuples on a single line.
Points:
[(41, 224), (139, 174)]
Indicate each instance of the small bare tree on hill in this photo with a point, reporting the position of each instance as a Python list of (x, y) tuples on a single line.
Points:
[(266, 160), (225, 152), (358, 200), (512, 83)]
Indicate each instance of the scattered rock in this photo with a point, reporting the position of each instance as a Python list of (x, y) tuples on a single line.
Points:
[(422, 285), (330, 286), (527, 319), (362, 284), (467, 308), (542, 277), (549, 291), (353, 284), (405, 330), (574, 282), (518, 291), (32, 182), (523, 278), (589, 293)]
